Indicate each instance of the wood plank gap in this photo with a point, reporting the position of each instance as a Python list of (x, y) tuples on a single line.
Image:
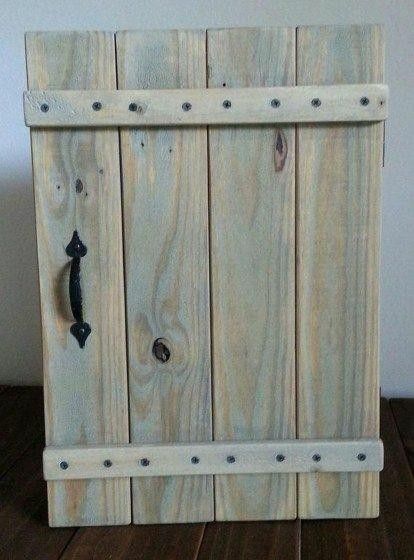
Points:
[(210, 281), (296, 205), (121, 179)]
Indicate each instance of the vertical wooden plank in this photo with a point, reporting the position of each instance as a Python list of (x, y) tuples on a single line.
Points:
[(338, 177), (252, 178), (77, 186), (166, 254)]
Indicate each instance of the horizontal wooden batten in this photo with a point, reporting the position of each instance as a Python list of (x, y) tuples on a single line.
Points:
[(100, 461), (191, 107)]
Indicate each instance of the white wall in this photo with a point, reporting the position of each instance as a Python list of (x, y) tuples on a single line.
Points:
[(20, 345)]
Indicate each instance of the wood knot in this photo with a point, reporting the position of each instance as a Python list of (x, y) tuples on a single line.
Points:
[(160, 350), (281, 150), (78, 186)]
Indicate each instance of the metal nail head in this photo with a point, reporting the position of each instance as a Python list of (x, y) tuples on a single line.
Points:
[(227, 104), (64, 465), (275, 103), (231, 459), (144, 462), (186, 106), (107, 463), (96, 105), (316, 102), (316, 457), (364, 101), (44, 107)]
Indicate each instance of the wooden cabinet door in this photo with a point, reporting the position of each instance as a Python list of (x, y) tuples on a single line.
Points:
[(250, 256)]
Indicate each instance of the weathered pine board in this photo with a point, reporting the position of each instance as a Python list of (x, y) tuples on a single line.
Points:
[(77, 186), (356, 102), (167, 278), (338, 190), (252, 181)]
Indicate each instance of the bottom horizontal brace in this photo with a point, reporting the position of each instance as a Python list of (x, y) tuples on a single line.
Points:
[(251, 457)]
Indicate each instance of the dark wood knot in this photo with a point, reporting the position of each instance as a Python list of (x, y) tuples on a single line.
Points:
[(160, 350), (281, 150)]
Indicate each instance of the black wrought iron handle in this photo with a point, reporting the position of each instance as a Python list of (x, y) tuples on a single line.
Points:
[(80, 329)]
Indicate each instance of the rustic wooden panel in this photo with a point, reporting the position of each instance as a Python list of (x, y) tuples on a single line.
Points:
[(77, 186), (252, 268), (338, 189), (166, 254), (207, 106)]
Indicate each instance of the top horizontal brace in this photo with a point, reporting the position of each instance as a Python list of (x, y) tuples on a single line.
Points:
[(192, 107)]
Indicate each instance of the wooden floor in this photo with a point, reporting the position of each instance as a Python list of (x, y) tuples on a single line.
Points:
[(23, 509)]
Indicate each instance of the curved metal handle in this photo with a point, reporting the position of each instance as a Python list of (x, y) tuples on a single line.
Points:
[(80, 329)]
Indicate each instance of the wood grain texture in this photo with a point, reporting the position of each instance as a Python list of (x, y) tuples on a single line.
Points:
[(391, 536), (153, 542), (165, 107), (166, 254), (252, 176), (338, 190), (403, 411), (77, 186), (251, 541)]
